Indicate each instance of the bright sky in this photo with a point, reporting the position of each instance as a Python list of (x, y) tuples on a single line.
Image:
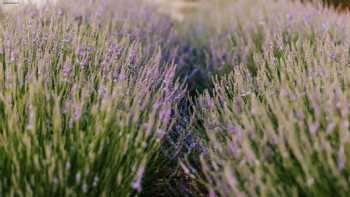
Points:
[(8, 4), (171, 7)]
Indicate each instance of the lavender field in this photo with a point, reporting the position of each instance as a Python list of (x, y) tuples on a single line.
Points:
[(152, 98)]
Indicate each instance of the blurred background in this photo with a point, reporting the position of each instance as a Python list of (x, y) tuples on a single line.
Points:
[(181, 9)]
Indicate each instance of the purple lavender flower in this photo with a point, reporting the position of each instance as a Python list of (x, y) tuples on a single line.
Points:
[(137, 184), (330, 127), (81, 52), (84, 63), (341, 159), (238, 105), (313, 127), (290, 18), (165, 114), (102, 91), (133, 57), (325, 27), (60, 12), (231, 179), (334, 56), (67, 69), (274, 140), (212, 193), (307, 19), (285, 93), (232, 129), (30, 126), (77, 112), (112, 48), (160, 133), (90, 50), (234, 149), (210, 103), (13, 56)]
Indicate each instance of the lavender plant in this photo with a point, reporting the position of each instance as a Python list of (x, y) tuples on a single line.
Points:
[(278, 124), (86, 97), (90, 103)]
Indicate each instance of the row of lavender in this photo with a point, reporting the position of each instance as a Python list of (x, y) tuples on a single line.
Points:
[(278, 123), (87, 91)]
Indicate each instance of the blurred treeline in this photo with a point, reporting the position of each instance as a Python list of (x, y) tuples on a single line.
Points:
[(340, 4)]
